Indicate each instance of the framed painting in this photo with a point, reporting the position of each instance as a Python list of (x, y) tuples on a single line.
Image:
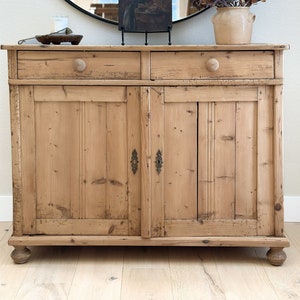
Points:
[(145, 15)]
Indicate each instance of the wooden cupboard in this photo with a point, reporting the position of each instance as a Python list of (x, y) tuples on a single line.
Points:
[(147, 145)]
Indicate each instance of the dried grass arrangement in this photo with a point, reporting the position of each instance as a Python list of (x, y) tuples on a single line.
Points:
[(200, 4)]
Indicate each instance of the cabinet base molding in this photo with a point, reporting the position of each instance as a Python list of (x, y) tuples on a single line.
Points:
[(48, 240), (276, 256)]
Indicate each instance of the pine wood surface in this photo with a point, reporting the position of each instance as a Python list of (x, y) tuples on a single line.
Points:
[(149, 272), (208, 142), (148, 48)]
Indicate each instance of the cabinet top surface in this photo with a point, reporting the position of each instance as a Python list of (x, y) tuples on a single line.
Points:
[(247, 47)]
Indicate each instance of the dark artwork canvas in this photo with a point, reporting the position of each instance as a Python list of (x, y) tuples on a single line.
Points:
[(145, 15)]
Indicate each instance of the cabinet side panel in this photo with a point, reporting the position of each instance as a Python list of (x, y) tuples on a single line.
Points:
[(16, 160), (246, 164), (224, 161), (15, 144), (57, 159), (12, 64), (180, 161)]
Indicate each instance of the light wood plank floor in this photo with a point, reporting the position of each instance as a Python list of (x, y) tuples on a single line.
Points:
[(149, 273)]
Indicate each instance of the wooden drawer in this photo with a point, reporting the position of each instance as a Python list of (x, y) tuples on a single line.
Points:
[(78, 65), (205, 65)]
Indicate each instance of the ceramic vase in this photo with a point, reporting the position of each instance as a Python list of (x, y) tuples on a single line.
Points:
[(233, 25)]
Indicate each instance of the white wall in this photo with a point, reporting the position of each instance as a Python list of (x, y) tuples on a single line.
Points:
[(277, 21)]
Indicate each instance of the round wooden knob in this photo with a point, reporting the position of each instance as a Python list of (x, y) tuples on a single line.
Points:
[(79, 65), (212, 65)]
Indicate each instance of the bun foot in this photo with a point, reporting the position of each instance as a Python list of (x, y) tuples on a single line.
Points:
[(276, 256), (20, 255)]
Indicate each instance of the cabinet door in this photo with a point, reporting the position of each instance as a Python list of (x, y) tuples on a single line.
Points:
[(80, 148), (212, 164)]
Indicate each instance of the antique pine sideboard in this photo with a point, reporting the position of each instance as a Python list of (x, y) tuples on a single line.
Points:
[(147, 145)]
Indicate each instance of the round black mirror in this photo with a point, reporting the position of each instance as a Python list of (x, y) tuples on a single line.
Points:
[(107, 10)]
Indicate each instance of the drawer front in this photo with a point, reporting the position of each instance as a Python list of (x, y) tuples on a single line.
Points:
[(78, 65), (205, 65)]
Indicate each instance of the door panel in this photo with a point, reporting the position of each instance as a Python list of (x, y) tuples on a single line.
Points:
[(57, 156), (246, 161), (180, 161), (84, 180), (224, 157), (229, 143)]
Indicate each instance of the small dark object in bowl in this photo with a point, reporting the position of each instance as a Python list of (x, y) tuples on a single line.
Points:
[(56, 39)]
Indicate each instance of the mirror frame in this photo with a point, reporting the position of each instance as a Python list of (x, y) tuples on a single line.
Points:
[(116, 23)]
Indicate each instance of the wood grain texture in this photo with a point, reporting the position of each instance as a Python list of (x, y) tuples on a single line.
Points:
[(147, 82), (278, 162), (225, 153), (134, 143), (102, 65), (181, 161), (146, 274), (265, 162), (116, 162), (93, 179), (206, 161), (157, 116), (57, 160), (129, 48), (101, 227), (192, 65), (13, 64), (28, 138), (246, 160), (78, 94), (199, 241), (106, 265), (15, 118), (210, 94), (146, 163)]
